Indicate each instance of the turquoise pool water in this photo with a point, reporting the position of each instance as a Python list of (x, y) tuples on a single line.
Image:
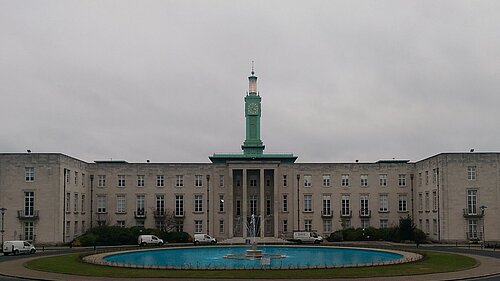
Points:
[(213, 257)]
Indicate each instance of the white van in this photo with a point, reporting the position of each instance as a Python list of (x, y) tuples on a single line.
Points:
[(144, 240), (18, 247), (307, 237), (204, 239)]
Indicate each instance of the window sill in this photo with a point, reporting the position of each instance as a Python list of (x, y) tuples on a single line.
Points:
[(199, 212), (76, 212), (101, 213), (434, 211), (121, 213), (427, 211), (402, 212), (308, 212), (221, 212), (381, 211)]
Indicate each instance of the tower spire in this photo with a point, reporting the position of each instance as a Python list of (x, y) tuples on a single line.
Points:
[(252, 81)]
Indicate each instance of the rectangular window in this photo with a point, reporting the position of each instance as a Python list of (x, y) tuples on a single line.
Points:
[(198, 203), (285, 181), (307, 203), (160, 204), (364, 180), (29, 231), (403, 204), (383, 203), (253, 205), (221, 203), (285, 203), (402, 180), (76, 228), (221, 180), (238, 207), (221, 226), (83, 227), (179, 226), (308, 225), (434, 226), (121, 180), (101, 180), (427, 226), (120, 223), (179, 180), (327, 226), (83, 203), (83, 184), (67, 175), (364, 207), (75, 203), (198, 226), (471, 173), (345, 180), (419, 179), (420, 202), (68, 202), (420, 225), (101, 204), (472, 202), (434, 175), (68, 228), (140, 205), (285, 225), (326, 180), (268, 206), (29, 203), (160, 180), (140, 180), (365, 223), (384, 223), (253, 181), (198, 180), (345, 207), (121, 207), (426, 177), (383, 179), (179, 205), (472, 228), (307, 180), (434, 200), (76, 179), (427, 199), (327, 205), (29, 174)]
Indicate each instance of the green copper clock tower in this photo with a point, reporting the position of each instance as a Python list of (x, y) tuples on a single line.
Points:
[(253, 145)]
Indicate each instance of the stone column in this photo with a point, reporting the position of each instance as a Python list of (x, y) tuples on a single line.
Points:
[(262, 199), (244, 202)]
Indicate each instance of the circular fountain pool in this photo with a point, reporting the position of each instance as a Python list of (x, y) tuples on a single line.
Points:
[(214, 257)]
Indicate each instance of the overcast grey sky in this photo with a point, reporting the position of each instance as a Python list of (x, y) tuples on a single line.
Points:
[(165, 80)]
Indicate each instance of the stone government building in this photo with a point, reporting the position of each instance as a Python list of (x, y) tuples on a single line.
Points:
[(52, 198)]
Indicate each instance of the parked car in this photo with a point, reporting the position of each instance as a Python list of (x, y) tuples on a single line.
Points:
[(307, 237), (204, 239), (144, 240), (18, 247)]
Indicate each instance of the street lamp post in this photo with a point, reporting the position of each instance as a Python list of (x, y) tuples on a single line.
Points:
[(3, 214), (483, 207), (298, 203)]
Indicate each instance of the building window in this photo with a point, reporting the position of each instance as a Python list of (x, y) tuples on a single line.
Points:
[(345, 223), (434, 200), (427, 226), (198, 226), (121, 207), (434, 226), (121, 180), (285, 203), (364, 180), (179, 180), (29, 203), (345, 180), (326, 180), (68, 202), (363, 204), (160, 180), (307, 180), (238, 207), (221, 180), (83, 184), (198, 180), (140, 204), (402, 180), (403, 204), (179, 226), (420, 225), (472, 201), (307, 203), (327, 226), (345, 207), (179, 205), (383, 203), (67, 175), (253, 181), (101, 204), (120, 223), (427, 199), (83, 227), (221, 226), (384, 223), (75, 203), (83, 203), (419, 179), (285, 225), (426, 177), (268, 181), (285, 181), (29, 174), (365, 223), (327, 205), (471, 173), (29, 231), (76, 179), (308, 225), (68, 228), (101, 180), (253, 205), (383, 179), (160, 204), (198, 203), (221, 203), (472, 228), (268, 206), (420, 202), (434, 175)]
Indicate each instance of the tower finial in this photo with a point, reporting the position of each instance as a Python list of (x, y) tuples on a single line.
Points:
[(253, 72)]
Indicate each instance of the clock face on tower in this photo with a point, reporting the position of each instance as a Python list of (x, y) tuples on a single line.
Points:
[(253, 109)]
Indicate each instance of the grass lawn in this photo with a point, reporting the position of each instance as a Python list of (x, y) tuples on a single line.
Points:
[(432, 262)]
